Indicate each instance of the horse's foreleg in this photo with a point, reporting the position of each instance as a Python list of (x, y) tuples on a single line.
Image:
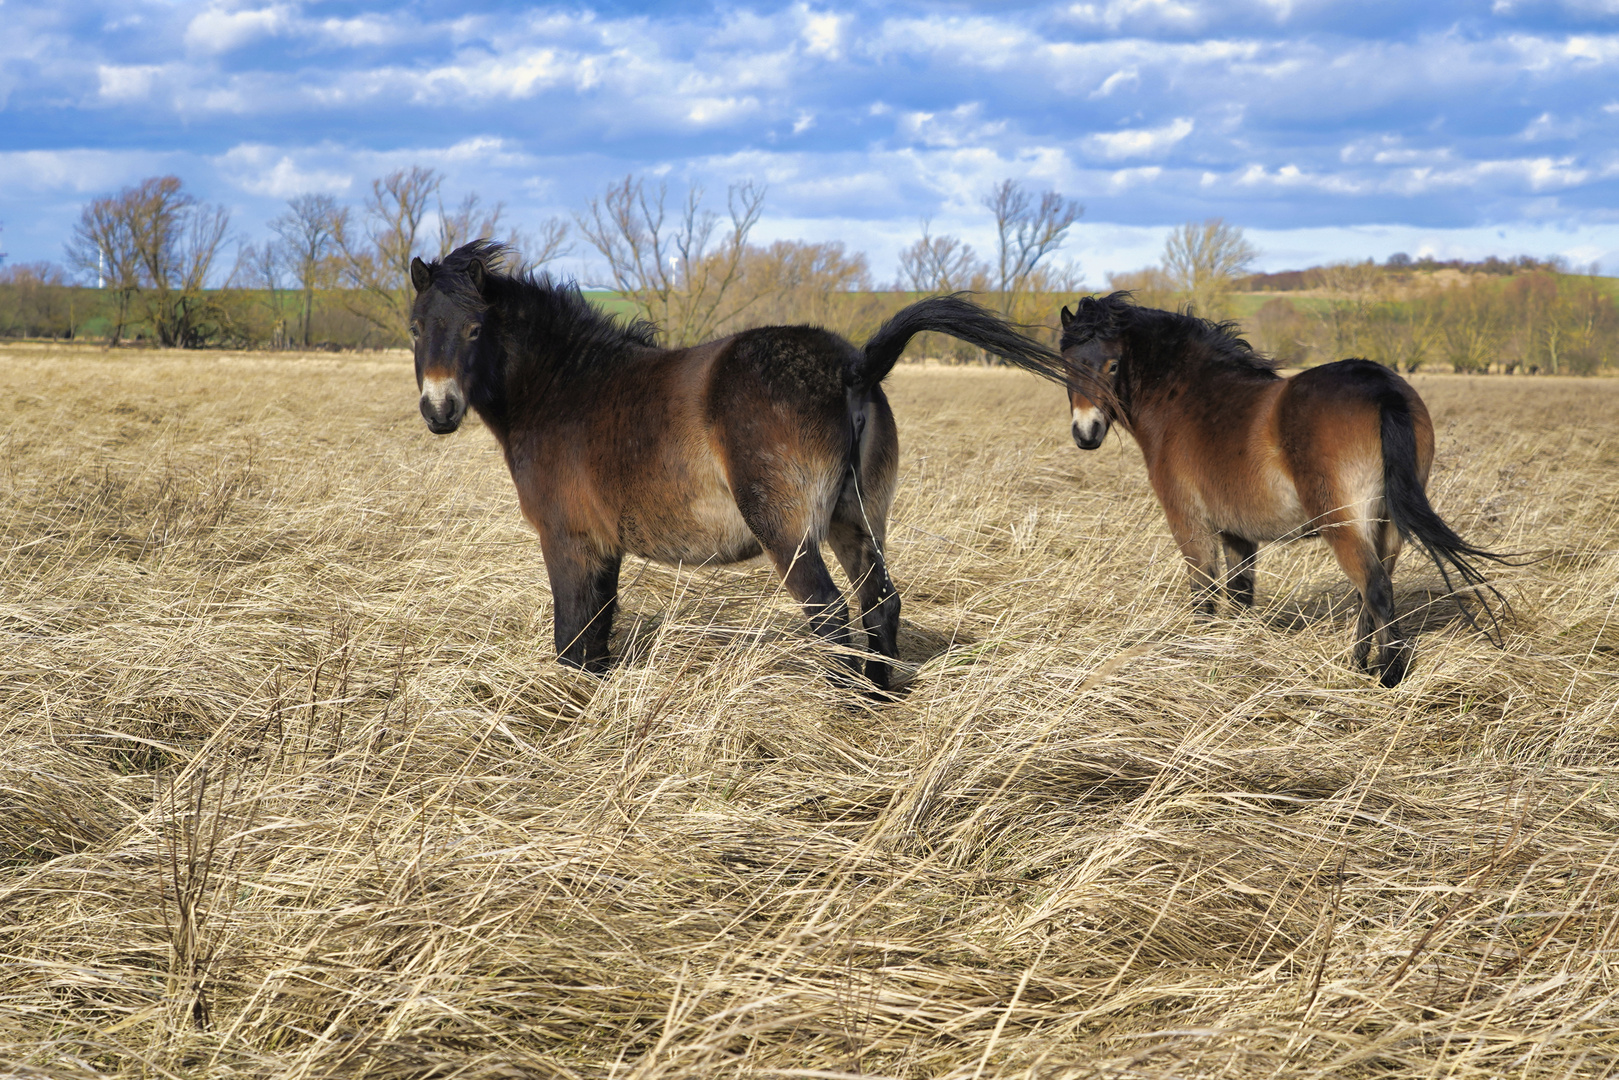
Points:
[(1202, 553), (1239, 568), (584, 591), (862, 560)]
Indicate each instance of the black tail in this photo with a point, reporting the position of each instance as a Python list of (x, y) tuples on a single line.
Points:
[(960, 318), (1414, 516)]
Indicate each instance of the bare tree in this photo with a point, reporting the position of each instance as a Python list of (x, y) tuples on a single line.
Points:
[(36, 300), (683, 273), (1204, 261), (1151, 287), (1026, 232), (102, 247), (178, 239), (553, 242), (376, 265), (260, 267), (471, 220), (309, 233), (792, 282), (936, 264), (156, 240)]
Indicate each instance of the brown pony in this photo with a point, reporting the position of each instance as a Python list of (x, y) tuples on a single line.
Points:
[(771, 440), (1240, 456)]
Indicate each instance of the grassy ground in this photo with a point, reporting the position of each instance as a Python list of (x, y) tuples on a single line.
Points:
[(291, 787)]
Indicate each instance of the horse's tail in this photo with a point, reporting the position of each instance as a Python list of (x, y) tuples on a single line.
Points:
[(960, 318), (1415, 517)]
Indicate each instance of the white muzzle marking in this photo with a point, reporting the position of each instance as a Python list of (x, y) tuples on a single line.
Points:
[(439, 393), (1088, 424)]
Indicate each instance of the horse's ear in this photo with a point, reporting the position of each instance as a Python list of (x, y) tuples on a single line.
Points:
[(476, 272), (420, 275), (1066, 317)]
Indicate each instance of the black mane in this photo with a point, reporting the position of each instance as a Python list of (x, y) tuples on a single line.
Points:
[(547, 330), (1162, 338)]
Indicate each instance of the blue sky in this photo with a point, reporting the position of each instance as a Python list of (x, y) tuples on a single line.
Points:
[(1326, 130)]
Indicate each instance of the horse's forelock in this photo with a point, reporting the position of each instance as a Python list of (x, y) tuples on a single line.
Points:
[(1098, 317), (452, 274)]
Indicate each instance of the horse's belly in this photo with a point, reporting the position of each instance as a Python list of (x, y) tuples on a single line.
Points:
[(706, 527), (1271, 511)]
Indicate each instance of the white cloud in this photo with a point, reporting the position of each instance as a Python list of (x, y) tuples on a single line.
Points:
[(361, 30), (217, 30), (1144, 13), (273, 173), (714, 112), (1126, 76), (961, 126), (127, 83), (1130, 179), (823, 34), (1142, 142), (79, 172)]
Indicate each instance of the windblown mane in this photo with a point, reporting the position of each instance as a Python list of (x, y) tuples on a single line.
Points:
[(1163, 338), (551, 333)]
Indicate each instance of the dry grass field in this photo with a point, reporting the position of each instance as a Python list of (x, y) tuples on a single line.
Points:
[(290, 785)]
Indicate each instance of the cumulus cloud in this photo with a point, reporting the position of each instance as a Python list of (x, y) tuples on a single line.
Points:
[(1267, 112), (124, 83), (1141, 142), (218, 30), (276, 173)]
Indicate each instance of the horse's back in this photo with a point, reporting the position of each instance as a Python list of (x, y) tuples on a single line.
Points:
[(1338, 407)]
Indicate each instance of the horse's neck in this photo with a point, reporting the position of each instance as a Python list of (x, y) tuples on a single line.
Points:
[(539, 372), (1160, 394)]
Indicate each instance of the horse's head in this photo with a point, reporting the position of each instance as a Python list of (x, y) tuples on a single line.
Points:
[(1093, 346), (445, 322)]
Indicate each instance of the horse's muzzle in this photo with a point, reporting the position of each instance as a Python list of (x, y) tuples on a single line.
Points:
[(443, 406), (1090, 428)]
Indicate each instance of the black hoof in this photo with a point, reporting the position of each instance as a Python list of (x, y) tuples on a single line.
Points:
[(596, 665)]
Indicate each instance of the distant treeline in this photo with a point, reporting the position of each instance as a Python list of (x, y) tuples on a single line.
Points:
[(337, 276), (334, 276), (1525, 316)]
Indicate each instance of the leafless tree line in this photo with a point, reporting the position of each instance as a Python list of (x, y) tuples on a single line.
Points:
[(159, 254), (1538, 320), (160, 257), (331, 271)]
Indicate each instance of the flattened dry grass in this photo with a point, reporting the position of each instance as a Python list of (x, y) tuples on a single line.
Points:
[(291, 787)]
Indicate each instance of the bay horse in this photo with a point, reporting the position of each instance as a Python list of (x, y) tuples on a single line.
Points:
[(767, 441), (1239, 456)]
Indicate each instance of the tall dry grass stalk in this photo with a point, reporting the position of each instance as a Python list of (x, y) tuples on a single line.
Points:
[(291, 787)]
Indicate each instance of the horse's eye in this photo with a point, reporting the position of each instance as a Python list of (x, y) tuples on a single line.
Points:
[(472, 332), (1113, 368), (415, 330)]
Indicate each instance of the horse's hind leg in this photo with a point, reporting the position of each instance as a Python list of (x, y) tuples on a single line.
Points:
[(783, 518), (1362, 560), (1394, 650), (861, 555), (1239, 568), (804, 573), (858, 533)]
